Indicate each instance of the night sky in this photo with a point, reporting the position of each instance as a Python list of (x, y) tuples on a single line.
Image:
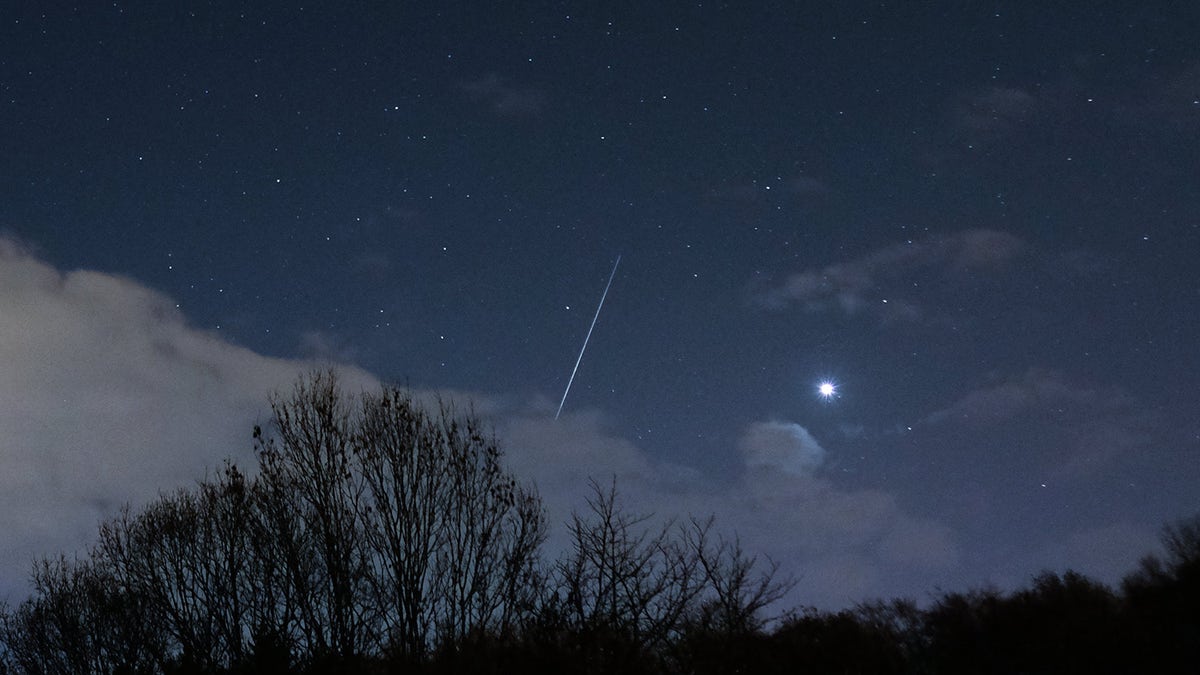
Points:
[(979, 221)]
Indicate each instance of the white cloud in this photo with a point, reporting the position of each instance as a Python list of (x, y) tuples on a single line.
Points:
[(107, 396), (784, 446), (843, 545)]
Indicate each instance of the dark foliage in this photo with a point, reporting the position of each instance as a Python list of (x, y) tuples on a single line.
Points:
[(379, 536)]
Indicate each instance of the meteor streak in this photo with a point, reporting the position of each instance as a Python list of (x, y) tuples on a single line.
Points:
[(588, 337)]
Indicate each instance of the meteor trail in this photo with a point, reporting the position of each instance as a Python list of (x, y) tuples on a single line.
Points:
[(588, 337)]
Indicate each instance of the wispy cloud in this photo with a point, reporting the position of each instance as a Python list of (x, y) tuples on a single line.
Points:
[(1088, 428), (874, 284), (1171, 103), (989, 114), (504, 98), (1083, 102), (1034, 390)]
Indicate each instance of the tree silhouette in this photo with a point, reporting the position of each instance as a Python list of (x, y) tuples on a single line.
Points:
[(315, 498), (187, 560), (623, 589), (452, 538), (394, 529), (1163, 598), (79, 620), (378, 534), (374, 528)]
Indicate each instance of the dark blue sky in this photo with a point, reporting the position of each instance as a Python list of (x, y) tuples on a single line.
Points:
[(980, 219)]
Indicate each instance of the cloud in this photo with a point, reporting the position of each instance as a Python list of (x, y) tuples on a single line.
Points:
[(503, 98), (1084, 428), (325, 346), (1035, 390), (108, 397), (783, 446), (858, 286), (991, 113), (1083, 103), (563, 456), (1106, 552), (1099, 550), (1167, 103), (843, 545)]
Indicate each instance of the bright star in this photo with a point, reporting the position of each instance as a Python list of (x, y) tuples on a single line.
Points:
[(826, 389)]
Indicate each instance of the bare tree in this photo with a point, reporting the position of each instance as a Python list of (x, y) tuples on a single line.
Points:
[(392, 527), (282, 572), (156, 555), (624, 579), (78, 621), (226, 510), (738, 589), (494, 528), (313, 494), (375, 527), (164, 587), (452, 535), (402, 458), (187, 558)]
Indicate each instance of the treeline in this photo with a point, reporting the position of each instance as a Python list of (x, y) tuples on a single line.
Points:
[(381, 536), (377, 535)]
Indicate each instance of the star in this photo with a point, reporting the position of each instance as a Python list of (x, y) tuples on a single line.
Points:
[(827, 389)]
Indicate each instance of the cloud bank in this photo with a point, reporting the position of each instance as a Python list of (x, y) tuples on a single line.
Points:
[(842, 545), (108, 396)]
